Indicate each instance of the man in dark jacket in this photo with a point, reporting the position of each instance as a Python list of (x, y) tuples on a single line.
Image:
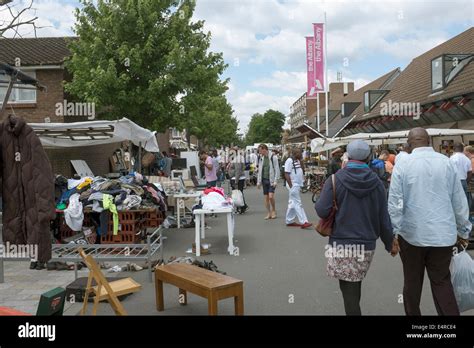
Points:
[(362, 217)]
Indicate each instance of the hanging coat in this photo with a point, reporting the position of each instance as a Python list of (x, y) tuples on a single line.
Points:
[(27, 187)]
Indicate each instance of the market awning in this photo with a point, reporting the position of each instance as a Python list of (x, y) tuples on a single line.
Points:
[(77, 134), (320, 145), (312, 133)]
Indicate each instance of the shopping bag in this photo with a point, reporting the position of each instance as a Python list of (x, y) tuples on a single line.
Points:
[(238, 198), (462, 277)]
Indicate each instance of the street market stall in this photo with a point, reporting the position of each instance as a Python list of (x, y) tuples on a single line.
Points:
[(54, 135), (398, 137)]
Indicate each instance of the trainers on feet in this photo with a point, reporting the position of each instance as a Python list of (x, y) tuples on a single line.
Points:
[(293, 224), (306, 225)]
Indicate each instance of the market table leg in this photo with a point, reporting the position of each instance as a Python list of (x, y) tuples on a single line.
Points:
[(178, 212), (239, 302), (159, 295), (230, 232), (203, 226), (197, 237), (212, 303)]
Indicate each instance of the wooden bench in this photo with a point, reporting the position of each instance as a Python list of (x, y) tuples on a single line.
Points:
[(211, 285)]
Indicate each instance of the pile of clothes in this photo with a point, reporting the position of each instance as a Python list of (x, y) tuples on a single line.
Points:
[(106, 196), (215, 198)]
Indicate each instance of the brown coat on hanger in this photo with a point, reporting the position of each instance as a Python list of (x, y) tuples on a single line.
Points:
[(27, 185)]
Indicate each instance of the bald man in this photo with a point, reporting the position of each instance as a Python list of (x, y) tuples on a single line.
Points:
[(429, 214)]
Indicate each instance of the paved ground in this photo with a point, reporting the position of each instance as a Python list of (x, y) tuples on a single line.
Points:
[(283, 269)]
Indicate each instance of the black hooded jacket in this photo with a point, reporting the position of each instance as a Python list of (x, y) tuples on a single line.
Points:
[(362, 215)]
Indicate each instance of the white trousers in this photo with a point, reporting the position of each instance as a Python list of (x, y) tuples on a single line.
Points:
[(295, 206)]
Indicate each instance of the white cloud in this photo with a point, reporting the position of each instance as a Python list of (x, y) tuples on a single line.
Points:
[(294, 81), (356, 28), (54, 18), (250, 102)]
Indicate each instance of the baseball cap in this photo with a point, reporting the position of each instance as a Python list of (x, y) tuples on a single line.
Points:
[(358, 150)]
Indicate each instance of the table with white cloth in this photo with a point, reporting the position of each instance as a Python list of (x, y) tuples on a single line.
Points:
[(180, 203), (199, 220)]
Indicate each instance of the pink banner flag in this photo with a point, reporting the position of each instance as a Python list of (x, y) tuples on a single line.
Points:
[(319, 56), (311, 93)]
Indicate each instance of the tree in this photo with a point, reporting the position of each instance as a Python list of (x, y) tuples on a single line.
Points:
[(146, 60), (266, 128), (16, 18)]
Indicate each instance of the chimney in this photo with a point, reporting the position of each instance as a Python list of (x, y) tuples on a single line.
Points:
[(340, 89)]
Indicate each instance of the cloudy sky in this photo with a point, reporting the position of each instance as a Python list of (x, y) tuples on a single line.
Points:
[(263, 41)]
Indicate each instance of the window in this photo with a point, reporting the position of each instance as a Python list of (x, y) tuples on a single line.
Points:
[(348, 108), (445, 68), (18, 95), (176, 133), (437, 73), (371, 98)]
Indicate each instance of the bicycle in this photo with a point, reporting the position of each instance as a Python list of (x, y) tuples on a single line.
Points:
[(314, 182)]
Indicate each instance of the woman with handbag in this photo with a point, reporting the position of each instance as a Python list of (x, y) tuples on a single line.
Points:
[(354, 214)]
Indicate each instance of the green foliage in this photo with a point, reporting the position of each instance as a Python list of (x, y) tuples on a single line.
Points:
[(266, 128), (147, 61)]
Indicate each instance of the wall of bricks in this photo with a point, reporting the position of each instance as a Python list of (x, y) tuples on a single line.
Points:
[(45, 101), (97, 157)]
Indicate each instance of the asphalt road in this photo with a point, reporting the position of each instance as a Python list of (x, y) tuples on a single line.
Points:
[(283, 269)]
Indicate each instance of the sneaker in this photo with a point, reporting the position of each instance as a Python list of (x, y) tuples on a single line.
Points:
[(294, 224), (306, 225), (33, 265), (40, 266)]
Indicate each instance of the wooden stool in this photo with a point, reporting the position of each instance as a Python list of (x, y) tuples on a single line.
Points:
[(211, 285)]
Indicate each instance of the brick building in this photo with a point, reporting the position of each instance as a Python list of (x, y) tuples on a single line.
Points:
[(304, 113), (43, 59)]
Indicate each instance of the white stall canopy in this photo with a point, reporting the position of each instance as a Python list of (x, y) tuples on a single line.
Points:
[(398, 137), (77, 134)]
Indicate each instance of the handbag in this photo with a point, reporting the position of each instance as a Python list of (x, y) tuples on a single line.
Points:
[(325, 226)]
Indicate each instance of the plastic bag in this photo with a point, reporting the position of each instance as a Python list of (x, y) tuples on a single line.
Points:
[(462, 277), (238, 198)]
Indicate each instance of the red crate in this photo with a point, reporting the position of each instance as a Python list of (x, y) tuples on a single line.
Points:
[(127, 233), (152, 223), (121, 238), (152, 218), (66, 232)]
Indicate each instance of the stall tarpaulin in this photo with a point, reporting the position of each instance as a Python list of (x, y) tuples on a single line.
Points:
[(321, 145), (398, 137), (90, 133), (403, 135)]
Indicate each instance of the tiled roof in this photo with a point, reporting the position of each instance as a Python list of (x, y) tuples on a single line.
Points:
[(35, 51), (355, 97), (414, 83)]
